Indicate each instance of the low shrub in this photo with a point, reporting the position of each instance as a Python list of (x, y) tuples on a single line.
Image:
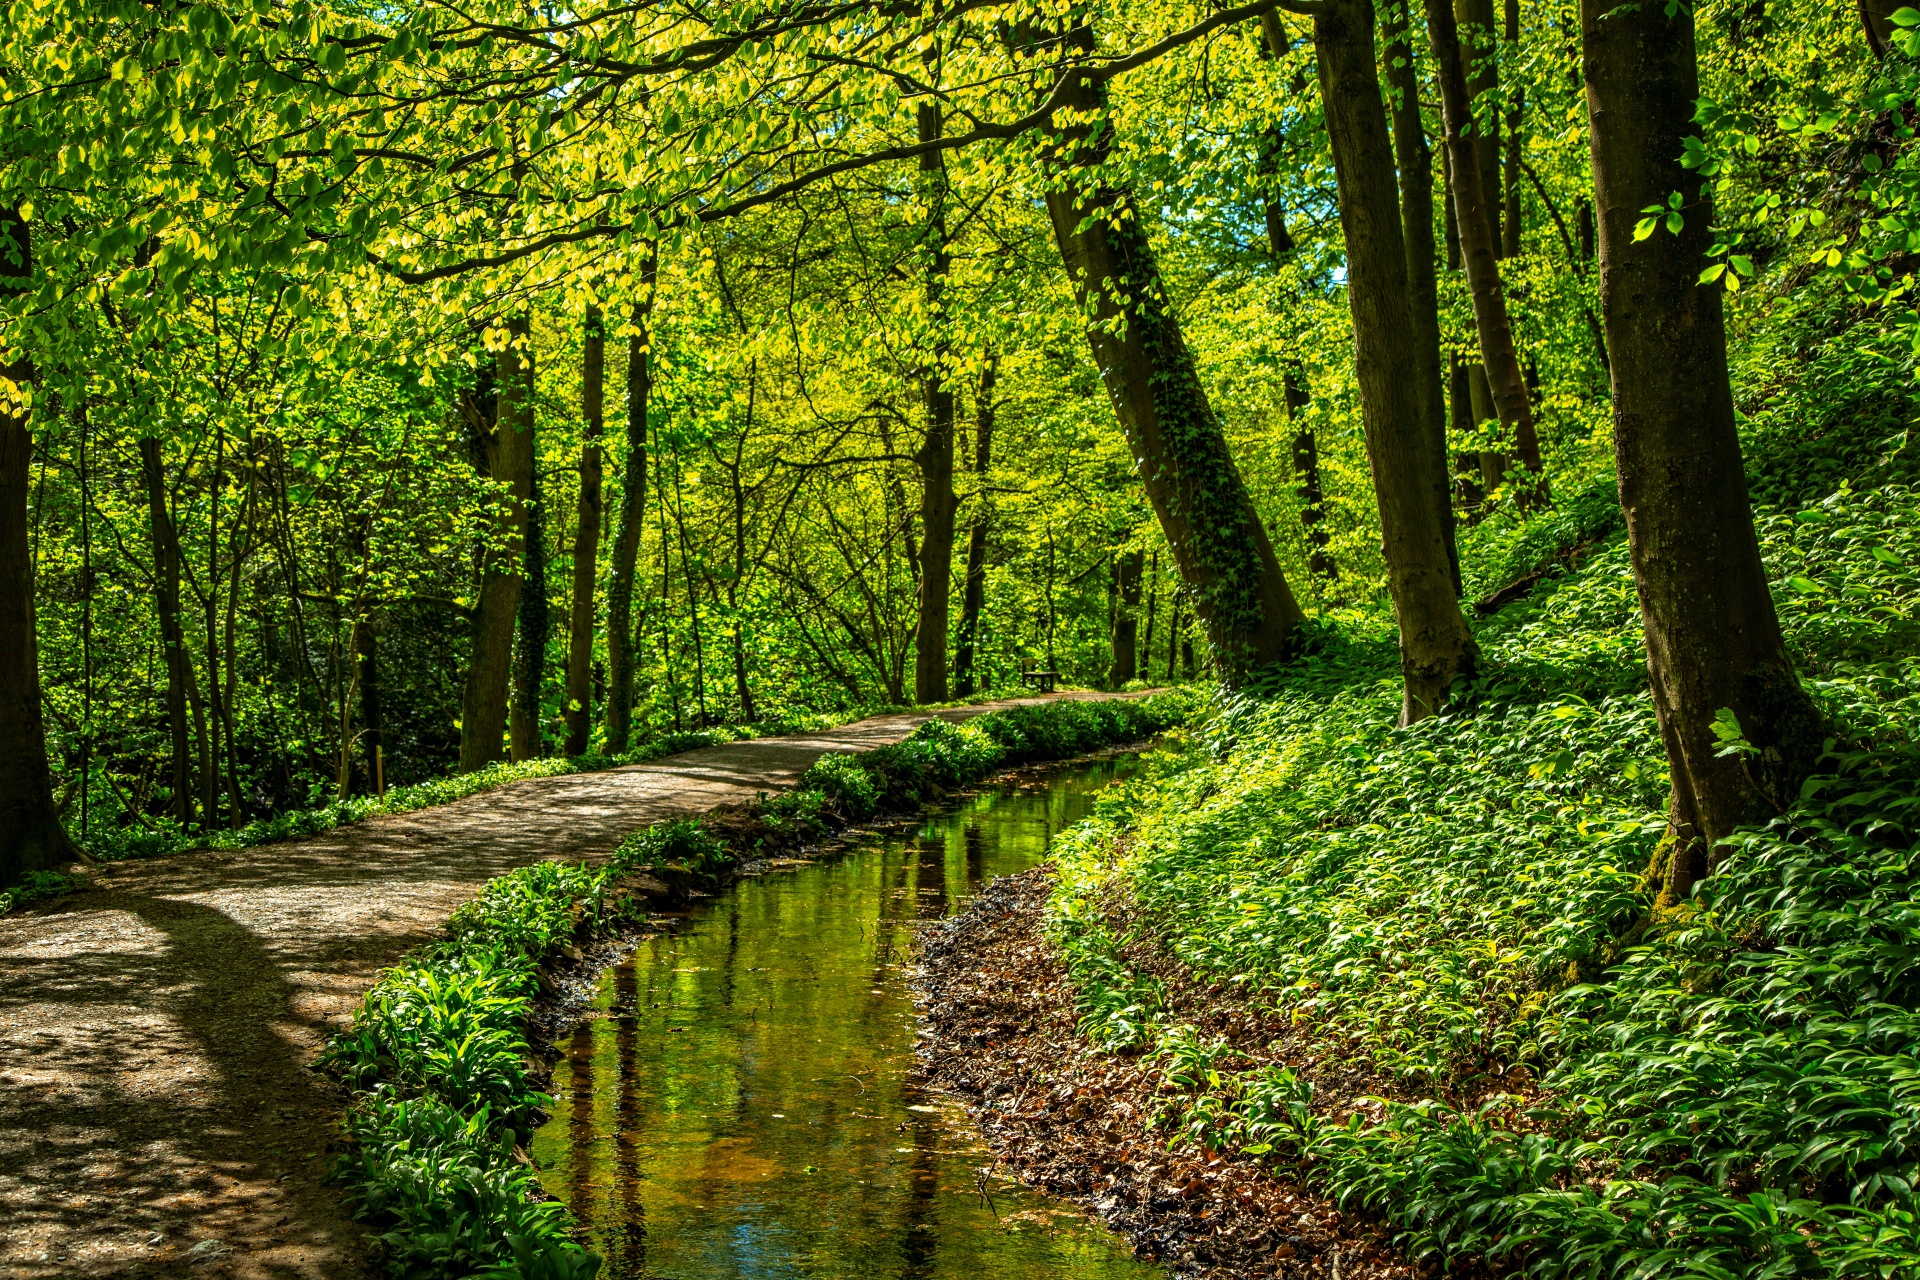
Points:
[(36, 886)]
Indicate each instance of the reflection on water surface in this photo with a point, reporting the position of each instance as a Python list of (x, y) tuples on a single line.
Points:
[(740, 1104)]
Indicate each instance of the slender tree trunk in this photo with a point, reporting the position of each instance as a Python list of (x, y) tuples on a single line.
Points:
[(975, 599), (1479, 52), (1423, 284), (586, 538), (1466, 463), (937, 501), (1306, 475), (173, 643), (1446, 206), (1713, 640), (1493, 463), (371, 741), (1479, 241), (1153, 613), (1126, 620), (1218, 542), (1273, 44), (507, 429), (1436, 648), (535, 616), (633, 515), (31, 835)]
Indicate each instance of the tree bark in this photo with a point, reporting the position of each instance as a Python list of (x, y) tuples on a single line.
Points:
[(534, 612), (508, 450), (1479, 244), (1436, 648), (173, 640), (1423, 286), (1480, 64), (31, 835), (586, 537), (1306, 475), (1493, 463), (1273, 43), (1713, 640), (633, 515), (1510, 223), (1466, 463), (1218, 542), (1126, 619), (975, 600), (937, 501)]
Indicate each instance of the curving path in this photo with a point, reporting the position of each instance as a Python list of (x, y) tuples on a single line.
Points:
[(157, 1113)]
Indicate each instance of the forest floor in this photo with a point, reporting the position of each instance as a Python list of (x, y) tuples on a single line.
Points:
[(1080, 1124), (159, 1114)]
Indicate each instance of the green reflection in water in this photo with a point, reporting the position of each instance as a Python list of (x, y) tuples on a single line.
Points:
[(742, 1102)]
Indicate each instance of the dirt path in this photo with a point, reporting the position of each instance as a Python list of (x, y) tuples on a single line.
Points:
[(157, 1114)]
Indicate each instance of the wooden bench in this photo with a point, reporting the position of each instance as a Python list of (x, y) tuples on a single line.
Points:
[(1040, 681)]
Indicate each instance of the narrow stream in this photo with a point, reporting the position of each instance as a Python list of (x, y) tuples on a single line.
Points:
[(740, 1102)]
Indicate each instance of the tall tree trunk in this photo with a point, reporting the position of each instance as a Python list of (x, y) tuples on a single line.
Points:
[(1479, 244), (1436, 648), (535, 617), (1493, 463), (371, 741), (1153, 613), (937, 501), (1510, 224), (1273, 43), (633, 515), (975, 599), (1466, 464), (505, 424), (1713, 640), (173, 642), (1479, 51), (1126, 619), (1218, 542), (586, 537), (31, 836), (1423, 285), (1446, 207)]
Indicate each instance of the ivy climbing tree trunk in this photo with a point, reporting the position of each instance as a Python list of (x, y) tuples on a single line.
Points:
[(507, 436), (586, 536), (173, 640), (31, 835), (633, 515), (1474, 210), (1126, 619), (534, 612), (1415, 165), (937, 501), (1436, 648), (973, 603), (1224, 556), (1713, 640)]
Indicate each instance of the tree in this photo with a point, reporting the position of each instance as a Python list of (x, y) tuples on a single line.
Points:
[(31, 835), (975, 598), (173, 642), (1126, 617), (1714, 652), (1225, 558), (501, 417), (633, 512), (1474, 206), (935, 457), (1436, 648), (586, 537)]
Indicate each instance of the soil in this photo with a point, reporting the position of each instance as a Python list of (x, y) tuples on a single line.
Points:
[(1078, 1123), (159, 1114)]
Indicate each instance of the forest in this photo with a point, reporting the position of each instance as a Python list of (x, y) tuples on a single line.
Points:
[(1496, 421)]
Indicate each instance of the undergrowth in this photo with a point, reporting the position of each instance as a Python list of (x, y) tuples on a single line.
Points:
[(445, 1091), (1563, 1089)]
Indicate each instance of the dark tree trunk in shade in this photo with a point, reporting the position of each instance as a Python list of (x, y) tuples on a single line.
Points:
[(1222, 550), (367, 654), (1415, 165), (1479, 243), (1713, 640), (586, 537), (937, 501), (1273, 43), (1126, 619), (1466, 464), (1446, 207), (975, 599), (31, 835), (1306, 476), (633, 516), (508, 451), (1436, 648), (1493, 463), (535, 616), (173, 641)]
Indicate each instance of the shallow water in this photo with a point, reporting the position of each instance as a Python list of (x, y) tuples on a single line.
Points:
[(741, 1101)]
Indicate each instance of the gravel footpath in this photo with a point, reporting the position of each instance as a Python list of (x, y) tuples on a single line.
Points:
[(1078, 1123), (157, 1111)]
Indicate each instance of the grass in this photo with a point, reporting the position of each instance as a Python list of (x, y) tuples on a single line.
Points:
[(1564, 1087), (438, 1058)]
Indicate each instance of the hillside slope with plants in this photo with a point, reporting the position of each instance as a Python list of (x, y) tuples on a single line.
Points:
[(1564, 1079)]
